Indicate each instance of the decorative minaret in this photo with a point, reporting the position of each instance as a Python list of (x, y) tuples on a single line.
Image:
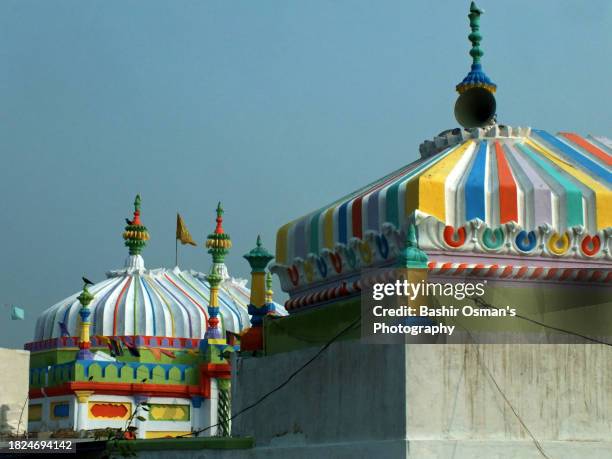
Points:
[(136, 237), (85, 298), (258, 259), (476, 105), (218, 244)]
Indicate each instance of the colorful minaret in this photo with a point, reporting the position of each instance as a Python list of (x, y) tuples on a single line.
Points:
[(258, 259), (136, 237), (218, 244), (260, 303), (85, 298), (476, 78)]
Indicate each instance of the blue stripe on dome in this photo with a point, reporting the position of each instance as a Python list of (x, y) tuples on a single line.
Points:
[(585, 162), (475, 186)]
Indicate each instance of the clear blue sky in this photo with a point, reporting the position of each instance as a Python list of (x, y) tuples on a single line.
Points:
[(274, 107)]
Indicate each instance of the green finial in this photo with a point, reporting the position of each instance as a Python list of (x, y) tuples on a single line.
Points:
[(258, 257), (135, 234), (219, 242), (475, 37), (476, 78), (85, 297), (412, 256)]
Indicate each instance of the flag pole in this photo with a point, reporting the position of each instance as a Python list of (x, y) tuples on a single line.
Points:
[(176, 252)]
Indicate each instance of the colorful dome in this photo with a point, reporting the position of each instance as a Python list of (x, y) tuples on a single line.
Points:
[(500, 191), (158, 302), (135, 301), (528, 178)]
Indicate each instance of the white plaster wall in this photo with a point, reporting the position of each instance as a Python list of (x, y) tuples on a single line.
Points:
[(429, 401), (143, 426), (14, 384), (47, 424), (562, 393), (199, 417)]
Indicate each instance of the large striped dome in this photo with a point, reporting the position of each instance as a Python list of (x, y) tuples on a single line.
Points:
[(156, 302), (519, 175), (500, 191)]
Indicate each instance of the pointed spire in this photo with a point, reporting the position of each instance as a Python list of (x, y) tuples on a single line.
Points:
[(219, 228), (476, 78), (219, 242), (475, 37), (135, 234), (411, 256)]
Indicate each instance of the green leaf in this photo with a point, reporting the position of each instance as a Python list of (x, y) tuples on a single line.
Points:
[(141, 418)]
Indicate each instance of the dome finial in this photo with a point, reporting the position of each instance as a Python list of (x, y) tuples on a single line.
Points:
[(475, 37), (219, 228), (219, 242), (476, 78), (135, 234)]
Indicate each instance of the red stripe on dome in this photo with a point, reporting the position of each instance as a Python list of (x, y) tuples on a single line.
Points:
[(582, 143), (125, 286), (508, 207), (188, 296)]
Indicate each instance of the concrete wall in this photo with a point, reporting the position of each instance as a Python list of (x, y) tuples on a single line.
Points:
[(431, 401), (14, 385), (562, 393), (351, 397)]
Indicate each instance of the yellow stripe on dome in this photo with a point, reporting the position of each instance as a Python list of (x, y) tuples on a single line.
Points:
[(430, 197), (603, 195), (328, 228), (281, 243)]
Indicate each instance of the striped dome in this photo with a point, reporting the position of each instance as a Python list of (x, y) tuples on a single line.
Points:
[(496, 176), (157, 302), (497, 193)]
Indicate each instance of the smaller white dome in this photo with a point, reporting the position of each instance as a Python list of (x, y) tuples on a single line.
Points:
[(160, 302)]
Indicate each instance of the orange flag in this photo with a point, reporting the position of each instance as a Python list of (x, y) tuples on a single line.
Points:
[(182, 233)]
